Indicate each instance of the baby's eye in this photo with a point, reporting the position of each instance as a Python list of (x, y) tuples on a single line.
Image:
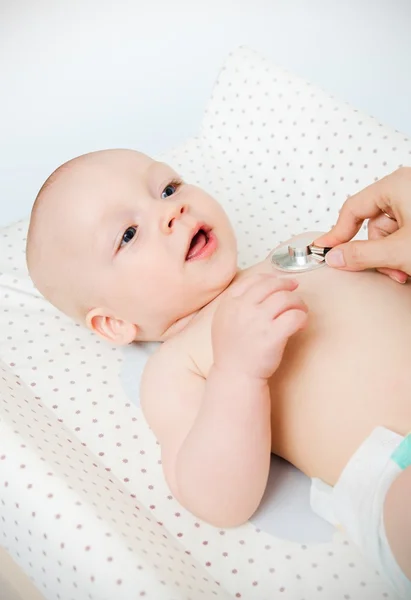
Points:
[(128, 235), (170, 189)]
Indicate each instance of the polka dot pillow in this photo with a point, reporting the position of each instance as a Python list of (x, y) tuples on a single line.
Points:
[(84, 508)]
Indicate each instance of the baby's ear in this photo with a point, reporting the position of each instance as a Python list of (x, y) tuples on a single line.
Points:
[(110, 328)]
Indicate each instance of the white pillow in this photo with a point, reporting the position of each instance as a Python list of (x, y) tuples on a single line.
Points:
[(281, 156)]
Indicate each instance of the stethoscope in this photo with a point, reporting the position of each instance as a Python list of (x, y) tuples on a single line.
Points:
[(300, 255)]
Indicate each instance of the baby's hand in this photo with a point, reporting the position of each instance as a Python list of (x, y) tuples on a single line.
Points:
[(253, 323)]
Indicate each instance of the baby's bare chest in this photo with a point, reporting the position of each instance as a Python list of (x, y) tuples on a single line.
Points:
[(353, 317), (347, 372)]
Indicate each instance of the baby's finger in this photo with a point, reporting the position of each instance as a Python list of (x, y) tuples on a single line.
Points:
[(264, 287), (289, 323), (249, 281), (278, 303)]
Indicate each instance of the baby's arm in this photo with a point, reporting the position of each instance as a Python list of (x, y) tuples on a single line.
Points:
[(215, 437)]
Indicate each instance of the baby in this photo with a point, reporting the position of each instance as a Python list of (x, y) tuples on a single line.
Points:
[(314, 368)]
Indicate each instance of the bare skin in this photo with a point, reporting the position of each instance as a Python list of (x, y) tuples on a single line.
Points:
[(252, 362), (336, 382)]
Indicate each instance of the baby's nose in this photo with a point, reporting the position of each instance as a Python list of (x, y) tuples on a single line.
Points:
[(174, 213)]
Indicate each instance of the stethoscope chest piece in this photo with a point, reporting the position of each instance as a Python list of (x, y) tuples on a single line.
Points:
[(300, 255)]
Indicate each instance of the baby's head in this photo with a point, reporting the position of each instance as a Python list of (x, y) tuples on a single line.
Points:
[(119, 242)]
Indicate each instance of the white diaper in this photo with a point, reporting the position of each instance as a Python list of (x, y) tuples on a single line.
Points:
[(356, 502)]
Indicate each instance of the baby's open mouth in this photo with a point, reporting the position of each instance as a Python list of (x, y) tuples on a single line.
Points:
[(200, 244)]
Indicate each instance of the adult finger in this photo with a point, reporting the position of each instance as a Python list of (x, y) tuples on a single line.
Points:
[(352, 215), (359, 255), (381, 226), (366, 204), (378, 228), (394, 274)]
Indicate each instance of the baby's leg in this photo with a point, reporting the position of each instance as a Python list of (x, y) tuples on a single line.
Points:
[(397, 520)]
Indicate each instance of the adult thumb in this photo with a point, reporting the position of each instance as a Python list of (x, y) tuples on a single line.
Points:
[(360, 255)]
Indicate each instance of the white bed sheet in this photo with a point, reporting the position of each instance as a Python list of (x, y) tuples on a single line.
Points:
[(84, 508), (285, 509)]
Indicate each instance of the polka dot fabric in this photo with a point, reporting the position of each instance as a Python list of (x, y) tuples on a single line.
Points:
[(282, 155), (84, 508)]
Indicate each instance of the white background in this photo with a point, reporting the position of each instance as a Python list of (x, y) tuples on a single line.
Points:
[(81, 75)]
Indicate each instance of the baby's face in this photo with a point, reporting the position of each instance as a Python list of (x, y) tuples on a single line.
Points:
[(152, 248)]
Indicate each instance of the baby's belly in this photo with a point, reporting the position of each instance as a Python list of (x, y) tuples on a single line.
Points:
[(348, 372)]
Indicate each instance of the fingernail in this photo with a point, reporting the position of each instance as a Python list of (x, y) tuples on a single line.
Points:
[(398, 279), (335, 258)]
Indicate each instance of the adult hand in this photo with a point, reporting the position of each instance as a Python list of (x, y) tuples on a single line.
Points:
[(387, 205)]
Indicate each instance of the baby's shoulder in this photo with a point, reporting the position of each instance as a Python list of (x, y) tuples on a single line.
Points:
[(166, 367), (169, 355), (170, 387)]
